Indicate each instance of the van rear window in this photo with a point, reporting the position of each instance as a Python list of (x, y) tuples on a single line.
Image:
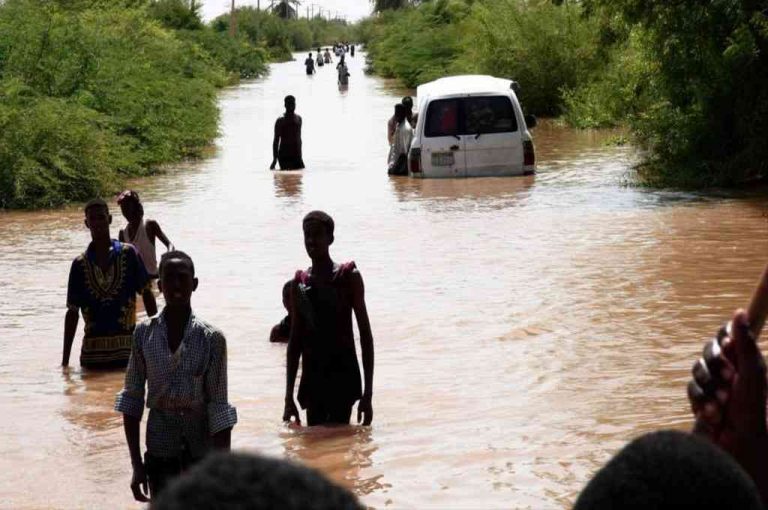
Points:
[(469, 116), (491, 114), (442, 118)]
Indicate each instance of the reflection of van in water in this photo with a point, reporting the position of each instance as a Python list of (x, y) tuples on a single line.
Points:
[(471, 126)]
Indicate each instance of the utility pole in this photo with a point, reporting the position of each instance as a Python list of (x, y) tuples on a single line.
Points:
[(232, 21)]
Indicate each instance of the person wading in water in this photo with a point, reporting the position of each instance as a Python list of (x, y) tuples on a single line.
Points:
[(139, 232), (310, 65), (286, 146), (323, 299), (103, 283)]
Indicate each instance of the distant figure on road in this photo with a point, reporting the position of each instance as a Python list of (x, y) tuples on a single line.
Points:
[(286, 146), (341, 67), (310, 65)]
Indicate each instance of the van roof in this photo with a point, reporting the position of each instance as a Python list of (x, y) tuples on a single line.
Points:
[(463, 84)]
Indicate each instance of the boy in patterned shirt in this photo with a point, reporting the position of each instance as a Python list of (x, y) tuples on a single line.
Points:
[(183, 362), (103, 283)]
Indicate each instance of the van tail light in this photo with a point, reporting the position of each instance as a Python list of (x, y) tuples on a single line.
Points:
[(414, 161), (529, 155)]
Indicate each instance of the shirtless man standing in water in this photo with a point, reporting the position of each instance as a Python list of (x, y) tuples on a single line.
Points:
[(286, 146)]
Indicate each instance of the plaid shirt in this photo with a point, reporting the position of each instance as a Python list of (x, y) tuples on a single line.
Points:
[(187, 390)]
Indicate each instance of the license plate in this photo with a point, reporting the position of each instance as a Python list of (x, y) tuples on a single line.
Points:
[(442, 159)]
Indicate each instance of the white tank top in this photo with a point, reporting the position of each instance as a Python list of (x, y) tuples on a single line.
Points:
[(145, 248)]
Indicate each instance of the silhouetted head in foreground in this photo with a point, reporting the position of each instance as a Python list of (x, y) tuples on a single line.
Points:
[(290, 104), (666, 470), (237, 481)]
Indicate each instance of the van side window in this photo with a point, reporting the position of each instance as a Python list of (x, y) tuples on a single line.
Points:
[(489, 114), (442, 118)]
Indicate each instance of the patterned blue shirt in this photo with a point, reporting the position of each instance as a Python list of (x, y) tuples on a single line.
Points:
[(186, 390)]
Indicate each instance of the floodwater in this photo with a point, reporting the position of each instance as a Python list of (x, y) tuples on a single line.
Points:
[(525, 328)]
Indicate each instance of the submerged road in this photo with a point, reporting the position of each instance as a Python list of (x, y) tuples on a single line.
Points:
[(525, 328)]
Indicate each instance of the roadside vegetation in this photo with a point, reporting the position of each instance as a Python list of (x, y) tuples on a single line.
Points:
[(95, 91), (688, 78)]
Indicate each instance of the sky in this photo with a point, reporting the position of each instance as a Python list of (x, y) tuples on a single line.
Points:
[(352, 9)]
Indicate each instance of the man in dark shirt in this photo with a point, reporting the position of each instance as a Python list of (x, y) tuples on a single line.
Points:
[(310, 64), (286, 146), (103, 284)]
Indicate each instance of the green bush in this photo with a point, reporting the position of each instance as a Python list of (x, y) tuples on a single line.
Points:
[(708, 120), (281, 37), (91, 94), (546, 48), (416, 45)]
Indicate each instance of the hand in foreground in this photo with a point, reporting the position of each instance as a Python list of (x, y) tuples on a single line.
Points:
[(365, 411), (139, 483), (291, 411), (728, 397), (272, 166)]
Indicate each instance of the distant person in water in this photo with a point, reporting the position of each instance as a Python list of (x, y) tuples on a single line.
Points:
[(352, 51), (323, 299), (281, 332), (286, 146), (103, 283), (178, 367), (309, 63), (327, 56), (139, 232), (397, 163), (319, 59), (341, 68)]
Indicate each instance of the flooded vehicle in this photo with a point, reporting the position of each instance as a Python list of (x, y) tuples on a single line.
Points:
[(471, 126)]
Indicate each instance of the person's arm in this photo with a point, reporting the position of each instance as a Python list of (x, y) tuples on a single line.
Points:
[(221, 415), (130, 402), (275, 144), (365, 407), (154, 231), (293, 354), (71, 319), (144, 285), (728, 395)]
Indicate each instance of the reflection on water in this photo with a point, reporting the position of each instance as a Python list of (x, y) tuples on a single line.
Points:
[(342, 453), (525, 328), (288, 183)]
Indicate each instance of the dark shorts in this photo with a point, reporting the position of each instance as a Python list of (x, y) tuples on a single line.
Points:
[(161, 471), (290, 162), (329, 414)]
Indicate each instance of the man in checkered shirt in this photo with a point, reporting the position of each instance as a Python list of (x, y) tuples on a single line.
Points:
[(183, 362)]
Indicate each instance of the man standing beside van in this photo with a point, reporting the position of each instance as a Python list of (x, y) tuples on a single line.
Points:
[(409, 115), (398, 152)]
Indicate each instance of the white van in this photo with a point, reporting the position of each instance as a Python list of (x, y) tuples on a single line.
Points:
[(471, 126)]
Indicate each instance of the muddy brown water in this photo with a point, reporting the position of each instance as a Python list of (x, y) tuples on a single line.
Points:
[(525, 328)]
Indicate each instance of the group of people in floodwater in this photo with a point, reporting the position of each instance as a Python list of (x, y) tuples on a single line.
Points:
[(342, 71), (177, 362), (176, 365)]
